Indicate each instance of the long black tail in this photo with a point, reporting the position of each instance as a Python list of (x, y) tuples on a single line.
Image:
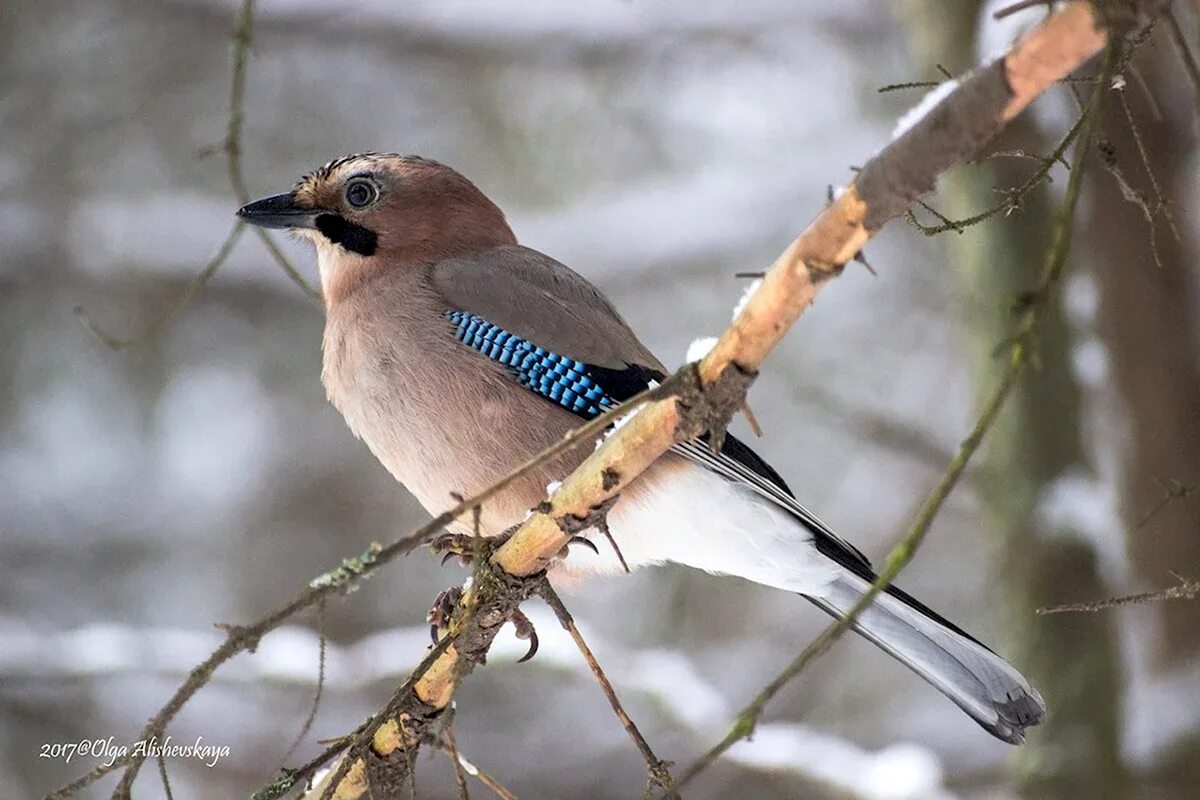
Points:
[(981, 683)]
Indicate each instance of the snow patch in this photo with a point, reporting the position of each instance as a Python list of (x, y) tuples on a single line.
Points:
[(900, 772), (915, 114), (1089, 362), (747, 293), (699, 348)]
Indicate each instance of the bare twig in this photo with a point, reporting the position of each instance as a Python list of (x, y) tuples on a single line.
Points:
[(1184, 590), (243, 35), (448, 746), (1174, 490), (162, 776), (1185, 52), (451, 747), (1021, 5), (895, 87), (658, 770), (232, 147), (157, 326), (316, 701), (1012, 197)]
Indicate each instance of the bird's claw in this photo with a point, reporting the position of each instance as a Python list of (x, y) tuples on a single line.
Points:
[(581, 540), (524, 629), (443, 609), (455, 544)]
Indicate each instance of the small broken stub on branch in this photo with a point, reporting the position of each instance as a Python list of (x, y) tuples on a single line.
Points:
[(597, 516), (709, 409), (610, 479), (573, 526), (822, 271)]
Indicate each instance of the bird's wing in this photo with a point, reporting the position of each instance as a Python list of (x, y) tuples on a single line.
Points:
[(562, 339), (533, 296)]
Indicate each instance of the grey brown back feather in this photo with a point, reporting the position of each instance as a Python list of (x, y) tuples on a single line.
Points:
[(535, 297)]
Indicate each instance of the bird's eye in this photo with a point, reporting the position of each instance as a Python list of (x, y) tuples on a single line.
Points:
[(361, 193)]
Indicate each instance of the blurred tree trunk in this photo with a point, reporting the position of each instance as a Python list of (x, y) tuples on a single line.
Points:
[(1072, 659), (1148, 317)]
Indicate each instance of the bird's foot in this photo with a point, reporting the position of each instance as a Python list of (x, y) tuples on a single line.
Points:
[(465, 547), (440, 616), (443, 609)]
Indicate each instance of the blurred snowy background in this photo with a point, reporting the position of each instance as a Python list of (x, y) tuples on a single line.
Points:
[(658, 148)]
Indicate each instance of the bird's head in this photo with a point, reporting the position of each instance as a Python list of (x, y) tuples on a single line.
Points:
[(371, 212)]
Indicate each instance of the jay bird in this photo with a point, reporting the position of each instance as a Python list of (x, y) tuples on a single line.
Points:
[(456, 354)]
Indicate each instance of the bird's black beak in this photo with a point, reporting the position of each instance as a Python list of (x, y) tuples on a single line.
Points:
[(280, 211)]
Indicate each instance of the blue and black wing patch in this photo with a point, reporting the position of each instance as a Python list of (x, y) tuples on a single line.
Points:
[(580, 388)]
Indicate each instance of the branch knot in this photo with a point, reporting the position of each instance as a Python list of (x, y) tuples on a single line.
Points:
[(709, 409)]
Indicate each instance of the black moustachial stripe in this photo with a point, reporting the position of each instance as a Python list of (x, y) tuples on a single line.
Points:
[(349, 235)]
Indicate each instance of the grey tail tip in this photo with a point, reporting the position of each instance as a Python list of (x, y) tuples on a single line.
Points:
[(1022, 710), (985, 686)]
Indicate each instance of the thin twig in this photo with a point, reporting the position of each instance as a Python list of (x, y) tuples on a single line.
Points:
[(316, 701), (1174, 490), (451, 749), (1012, 197), (162, 776), (243, 35), (233, 152), (1021, 5), (1162, 204), (1185, 52), (157, 326), (904, 551), (460, 777), (895, 87), (1185, 590), (657, 769)]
